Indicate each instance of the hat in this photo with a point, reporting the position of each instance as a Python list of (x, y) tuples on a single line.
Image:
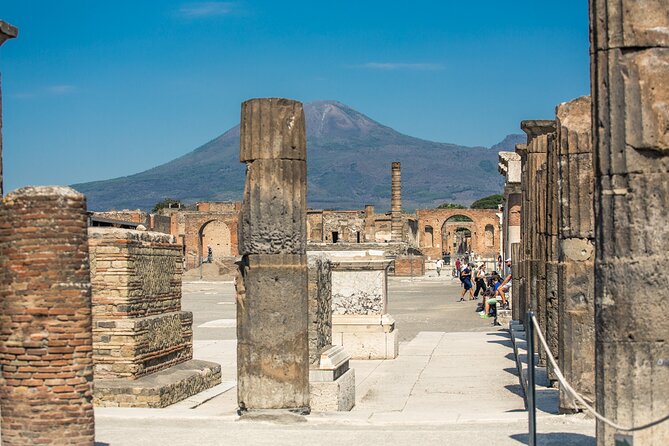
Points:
[(509, 259)]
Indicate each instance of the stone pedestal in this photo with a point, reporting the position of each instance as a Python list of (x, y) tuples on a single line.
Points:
[(360, 320), (272, 302), (630, 80), (139, 330), (332, 382)]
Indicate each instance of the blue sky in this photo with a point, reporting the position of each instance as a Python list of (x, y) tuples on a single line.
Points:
[(95, 90)]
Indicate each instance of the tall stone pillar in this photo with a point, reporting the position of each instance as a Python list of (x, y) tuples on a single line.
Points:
[(272, 306), (537, 146), (7, 32), (396, 204), (630, 86), (576, 305), (370, 224), (516, 309), (552, 250), (521, 267), (46, 344), (510, 166)]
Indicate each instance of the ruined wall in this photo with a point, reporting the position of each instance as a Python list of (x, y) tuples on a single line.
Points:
[(191, 225), (481, 218), (314, 226), (219, 206), (349, 226), (406, 266)]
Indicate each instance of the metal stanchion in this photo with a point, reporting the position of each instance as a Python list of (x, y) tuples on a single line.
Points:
[(531, 395)]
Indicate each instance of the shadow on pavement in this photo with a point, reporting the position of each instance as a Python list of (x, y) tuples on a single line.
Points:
[(557, 439)]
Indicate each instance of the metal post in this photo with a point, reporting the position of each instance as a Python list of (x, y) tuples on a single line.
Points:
[(531, 401)]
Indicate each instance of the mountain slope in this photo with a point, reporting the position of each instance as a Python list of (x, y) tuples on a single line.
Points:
[(349, 158)]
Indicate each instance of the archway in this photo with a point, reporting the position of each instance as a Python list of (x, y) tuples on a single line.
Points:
[(457, 235), (217, 235)]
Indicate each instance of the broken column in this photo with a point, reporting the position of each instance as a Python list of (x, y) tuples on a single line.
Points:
[(331, 381), (142, 341), (272, 304), (396, 204), (576, 305), (7, 32), (46, 356), (360, 320), (630, 79), (552, 250)]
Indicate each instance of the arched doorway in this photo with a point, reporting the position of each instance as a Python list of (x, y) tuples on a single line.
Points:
[(456, 235), (217, 235)]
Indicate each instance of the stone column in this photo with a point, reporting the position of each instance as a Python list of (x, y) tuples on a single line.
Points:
[(537, 146), (370, 224), (630, 85), (396, 204), (272, 308), (576, 306), (46, 348), (521, 268), (517, 308), (7, 32), (510, 165), (552, 217)]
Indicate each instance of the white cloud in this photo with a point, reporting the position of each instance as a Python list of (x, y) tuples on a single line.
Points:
[(60, 89), (206, 9), (395, 66)]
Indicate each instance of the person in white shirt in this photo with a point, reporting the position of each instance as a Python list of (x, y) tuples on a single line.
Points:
[(439, 264)]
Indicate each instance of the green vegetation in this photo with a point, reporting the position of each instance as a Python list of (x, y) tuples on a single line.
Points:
[(489, 202), (166, 203), (459, 218), (451, 206)]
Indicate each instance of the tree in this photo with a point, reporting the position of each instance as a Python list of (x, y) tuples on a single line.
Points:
[(490, 202), (166, 203), (451, 206)]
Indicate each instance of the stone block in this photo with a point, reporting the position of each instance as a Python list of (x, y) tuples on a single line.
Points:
[(273, 215), (320, 306), (332, 396), (366, 337), (159, 389), (272, 361), (272, 128), (629, 23)]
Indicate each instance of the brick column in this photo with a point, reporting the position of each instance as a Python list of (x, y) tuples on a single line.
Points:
[(576, 305), (630, 87), (7, 32), (46, 340), (272, 308), (396, 203)]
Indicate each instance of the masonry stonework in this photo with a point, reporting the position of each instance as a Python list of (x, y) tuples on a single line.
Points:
[(46, 390), (630, 96)]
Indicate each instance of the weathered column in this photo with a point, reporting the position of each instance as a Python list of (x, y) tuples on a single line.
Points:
[(396, 204), (510, 166), (551, 255), (516, 309), (537, 146), (630, 86), (272, 309), (520, 269), (45, 340), (7, 32), (576, 305), (370, 224)]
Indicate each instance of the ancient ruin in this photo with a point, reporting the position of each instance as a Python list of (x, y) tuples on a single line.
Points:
[(46, 345), (142, 341), (630, 79), (272, 302)]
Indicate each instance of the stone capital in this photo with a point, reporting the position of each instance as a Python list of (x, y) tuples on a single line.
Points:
[(7, 31), (537, 127)]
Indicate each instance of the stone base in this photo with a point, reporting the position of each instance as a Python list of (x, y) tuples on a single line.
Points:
[(332, 396), (366, 336), (158, 389)]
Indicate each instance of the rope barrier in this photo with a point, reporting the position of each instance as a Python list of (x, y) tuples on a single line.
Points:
[(578, 397)]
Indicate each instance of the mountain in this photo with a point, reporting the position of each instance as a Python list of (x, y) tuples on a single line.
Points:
[(349, 158)]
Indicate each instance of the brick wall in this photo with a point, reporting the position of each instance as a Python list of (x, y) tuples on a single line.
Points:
[(407, 266)]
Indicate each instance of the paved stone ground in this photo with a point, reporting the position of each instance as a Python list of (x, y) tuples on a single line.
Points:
[(453, 383)]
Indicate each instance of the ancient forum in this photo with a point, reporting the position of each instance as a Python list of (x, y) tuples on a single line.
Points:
[(533, 316)]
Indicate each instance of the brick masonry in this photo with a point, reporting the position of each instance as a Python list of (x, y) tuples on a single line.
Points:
[(46, 348)]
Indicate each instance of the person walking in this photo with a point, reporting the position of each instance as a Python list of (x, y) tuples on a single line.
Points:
[(466, 278), (480, 281), (439, 264), (458, 265)]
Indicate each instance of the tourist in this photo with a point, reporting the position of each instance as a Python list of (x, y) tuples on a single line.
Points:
[(505, 285), (210, 254), (458, 267), (480, 281), (466, 279), (439, 264)]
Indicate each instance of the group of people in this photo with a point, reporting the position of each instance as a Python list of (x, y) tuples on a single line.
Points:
[(475, 281)]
